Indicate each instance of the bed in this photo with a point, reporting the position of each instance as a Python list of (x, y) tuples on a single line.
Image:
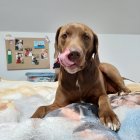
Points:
[(77, 121)]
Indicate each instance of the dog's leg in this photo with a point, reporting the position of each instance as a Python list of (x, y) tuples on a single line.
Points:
[(59, 102), (106, 114), (113, 74), (43, 110)]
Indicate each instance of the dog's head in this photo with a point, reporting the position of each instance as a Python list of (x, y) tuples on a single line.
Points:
[(74, 46)]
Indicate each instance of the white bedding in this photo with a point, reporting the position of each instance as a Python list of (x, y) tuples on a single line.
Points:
[(19, 99)]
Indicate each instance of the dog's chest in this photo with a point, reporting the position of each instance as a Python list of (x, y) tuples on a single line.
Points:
[(83, 86), (77, 84), (85, 92)]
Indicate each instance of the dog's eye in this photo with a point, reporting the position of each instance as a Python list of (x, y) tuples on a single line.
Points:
[(64, 36), (86, 36)]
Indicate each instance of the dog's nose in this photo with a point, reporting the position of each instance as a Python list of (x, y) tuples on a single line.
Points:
[(74, 55)]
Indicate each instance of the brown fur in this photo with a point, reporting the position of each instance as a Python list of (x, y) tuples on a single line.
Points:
[(92, 80)]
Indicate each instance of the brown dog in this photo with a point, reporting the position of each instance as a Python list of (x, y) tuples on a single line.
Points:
[(83, 78)]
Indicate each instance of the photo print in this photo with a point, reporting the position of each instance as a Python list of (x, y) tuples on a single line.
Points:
[(28, 52), (44, 54), (39, 44), (18, 44), (19, 58), (35, 59)]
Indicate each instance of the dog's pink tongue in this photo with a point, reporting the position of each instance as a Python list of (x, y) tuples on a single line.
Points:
[(63, 58)]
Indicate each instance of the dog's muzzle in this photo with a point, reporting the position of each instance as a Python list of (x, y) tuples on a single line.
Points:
[(70, 60), (74, 56)]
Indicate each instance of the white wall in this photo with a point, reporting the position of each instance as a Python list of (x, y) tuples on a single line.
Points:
[(123, 51)]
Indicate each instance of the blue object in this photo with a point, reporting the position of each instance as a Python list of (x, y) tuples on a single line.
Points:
[(40, 77)]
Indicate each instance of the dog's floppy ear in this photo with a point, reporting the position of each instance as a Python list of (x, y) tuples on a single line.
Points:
[(95, 49), (56, 43), (95, 44)]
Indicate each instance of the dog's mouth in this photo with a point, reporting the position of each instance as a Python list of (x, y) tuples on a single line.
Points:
[(69, 66), (64, 61), (67, 63)]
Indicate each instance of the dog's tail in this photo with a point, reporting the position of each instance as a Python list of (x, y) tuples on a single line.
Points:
[(124, 78)]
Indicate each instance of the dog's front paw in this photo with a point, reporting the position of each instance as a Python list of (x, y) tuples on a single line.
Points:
[(110, 120), (40, 112)]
